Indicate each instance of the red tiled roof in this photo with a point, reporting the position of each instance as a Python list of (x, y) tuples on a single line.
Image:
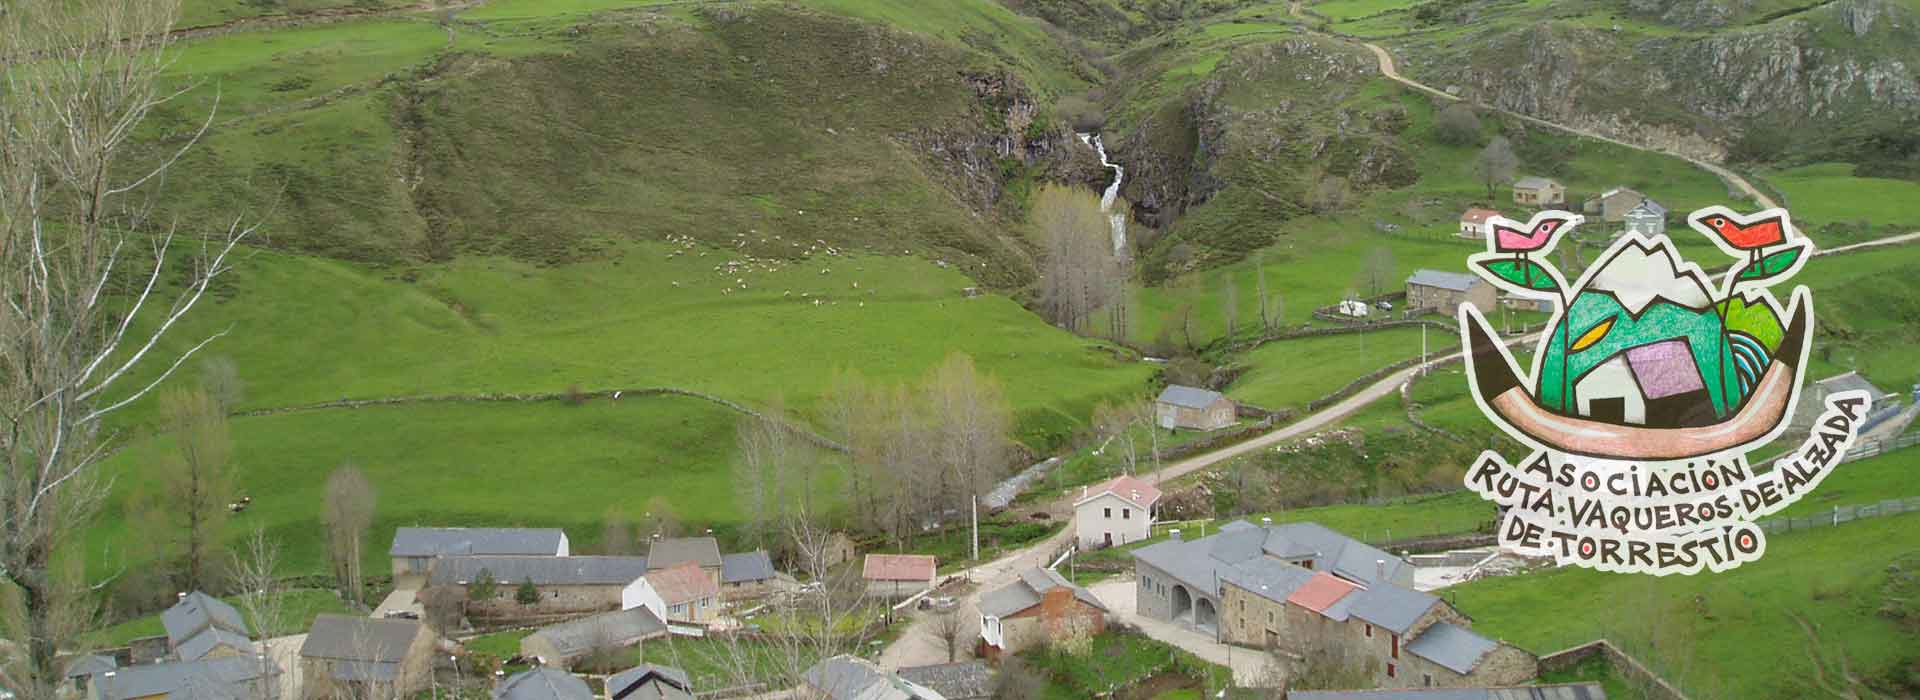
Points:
[(899, 567), (1321, 592), (683, 582), (1478, 215), (1129, 489)]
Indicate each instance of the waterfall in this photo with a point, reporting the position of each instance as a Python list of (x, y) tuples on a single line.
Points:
[(1117, 220)]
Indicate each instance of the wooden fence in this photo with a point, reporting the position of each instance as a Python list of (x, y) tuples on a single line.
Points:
[(1841, 514)]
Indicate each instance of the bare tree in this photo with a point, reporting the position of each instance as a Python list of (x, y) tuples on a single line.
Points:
[(445, 608), (256, 573), (195, 483), (763, 465), (1019, 681), (1327, 193), (220, 377), (971, 426), (1496, 163), (616, 535), (1229, 302), (951, 630), (1377, 273), (1267, 320), (81, 270), (1078, 279), (1457, 125), (1114, 424), (348, 514)]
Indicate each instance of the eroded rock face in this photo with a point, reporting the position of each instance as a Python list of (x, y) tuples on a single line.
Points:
[(1851, 60)]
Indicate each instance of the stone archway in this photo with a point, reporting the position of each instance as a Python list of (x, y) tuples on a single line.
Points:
[(1182, 602), (1204, 616)]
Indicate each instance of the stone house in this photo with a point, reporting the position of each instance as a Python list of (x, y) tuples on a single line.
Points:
[(1041, 607), (212, 678), (349, 657), (1402, 637), (566, 643), (1477, 224), (691, 596), (848, 677), (703, 552), (200, 626), (1612, 205), (650, 682), (1114, 513), (1446, 291), (898, 576), (566, 585), (1178, 580), (1192, 409), (1555, 691), (415, 548), (1538, 192), (1647, 219), (746, 575), (543, 683)]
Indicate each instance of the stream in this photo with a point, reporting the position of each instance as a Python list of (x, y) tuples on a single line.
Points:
[(1117, 220)]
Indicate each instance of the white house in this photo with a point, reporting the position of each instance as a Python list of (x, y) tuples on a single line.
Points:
[(641, 594), (1477, 223), (1116, 512)]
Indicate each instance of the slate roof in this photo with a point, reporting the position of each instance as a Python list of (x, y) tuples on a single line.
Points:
[(1568, 691), (209, 679), (1533, 183), (1027, 592), (89, 664), (746, 566), (1478, 215), (356, 638), (1268, 578), (1390, 607), (683, 583), (543, 571), (1333, 551), (197, 611), (1849, 382), (670, 552), (624, 627), (1127, 488), (650, 682), (1456, 281), (966, 680), (1452, 646), (1649, 205), (543, 683), (898, 567), (199, 645), (1251, 557), (846, 677), (1188, 397), (475, 541)]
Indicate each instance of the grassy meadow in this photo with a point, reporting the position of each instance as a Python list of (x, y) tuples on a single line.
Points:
[(1291, 373)]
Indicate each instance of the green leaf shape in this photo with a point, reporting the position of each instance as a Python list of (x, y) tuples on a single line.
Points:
[(1773, 264), (1522, 273)]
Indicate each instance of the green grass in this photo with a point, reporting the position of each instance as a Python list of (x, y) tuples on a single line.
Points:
[(1291, 373), (1345, 10), (1834, 576), (1830, 193), (200, 13), (299, 607)]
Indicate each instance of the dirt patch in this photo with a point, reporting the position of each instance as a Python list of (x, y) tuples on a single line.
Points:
[(1156, 684)]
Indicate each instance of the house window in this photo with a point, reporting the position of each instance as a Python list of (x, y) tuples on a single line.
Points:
[(1269, 617), (1427, 679), (1126, 513), (1369, 631), (1390, 669), (1396, 646), (1106, 513)]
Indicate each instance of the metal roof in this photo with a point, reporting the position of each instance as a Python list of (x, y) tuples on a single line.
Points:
[(475, 541), (356, 638), (197, 611), (543, 571), (746, 566), (1569, 691), (208, 679), (543, 683), (898, 567), (622, 627), (650, 682), (670, 552), (966, 680), (683, 583), (1188, 397), (1452, 646), (1456, 281)]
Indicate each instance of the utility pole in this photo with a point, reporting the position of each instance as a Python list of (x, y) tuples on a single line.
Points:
[(1423, 349), (976, 529)]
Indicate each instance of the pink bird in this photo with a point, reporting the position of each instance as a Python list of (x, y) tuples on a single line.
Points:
[(1513, 240)]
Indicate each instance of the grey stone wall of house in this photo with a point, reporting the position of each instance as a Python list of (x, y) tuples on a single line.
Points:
[(553, 600), (1257, 621), (1155, 591)]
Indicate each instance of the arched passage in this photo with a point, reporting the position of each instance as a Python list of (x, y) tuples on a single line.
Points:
[(1182, 602), (1204, 616)]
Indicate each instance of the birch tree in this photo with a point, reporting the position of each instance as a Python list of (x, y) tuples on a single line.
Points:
[(971, 424), (1080, 267), (90, 285), (195, 480), (256, 573), (348, 514)]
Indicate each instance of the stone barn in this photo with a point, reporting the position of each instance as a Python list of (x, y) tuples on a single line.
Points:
[(1040, 608), (1445, 291), (566, 643), (415, 548), (566, 585), (349, 656), (1191, 408)]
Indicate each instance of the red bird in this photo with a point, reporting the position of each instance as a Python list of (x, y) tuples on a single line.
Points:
[(1512, 240), (1754, 236)]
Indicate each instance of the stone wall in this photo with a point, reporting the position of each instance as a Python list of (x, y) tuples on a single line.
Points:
[(1630, 668), (554, 600)]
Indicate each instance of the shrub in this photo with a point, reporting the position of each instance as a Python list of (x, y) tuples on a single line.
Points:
[(482, 587), (527, 594)]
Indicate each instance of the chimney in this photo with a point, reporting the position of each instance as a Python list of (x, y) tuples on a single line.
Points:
[(1136, 495), (1176, 534), (180, 595), (1266, 522), (1380, 568), (1083, 492)]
